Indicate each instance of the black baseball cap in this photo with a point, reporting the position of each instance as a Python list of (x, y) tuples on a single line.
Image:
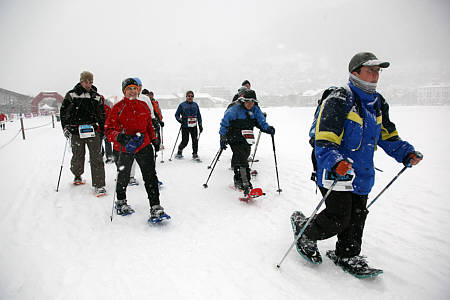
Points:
[(366, 59)]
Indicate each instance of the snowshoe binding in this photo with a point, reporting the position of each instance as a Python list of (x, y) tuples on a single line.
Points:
[(133, 181), (196, 158), (100, 191), (305, 247), (356, 265), (179, 155), (122, 208), (78, 180), (157, 214)]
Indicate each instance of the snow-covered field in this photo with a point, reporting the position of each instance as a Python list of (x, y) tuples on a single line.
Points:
[(62, 245)]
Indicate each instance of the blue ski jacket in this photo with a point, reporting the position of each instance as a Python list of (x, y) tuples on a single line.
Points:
[(188, 109), (351, 124), (238, 118)]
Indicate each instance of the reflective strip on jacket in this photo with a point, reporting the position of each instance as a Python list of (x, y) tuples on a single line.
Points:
[(351, 124)]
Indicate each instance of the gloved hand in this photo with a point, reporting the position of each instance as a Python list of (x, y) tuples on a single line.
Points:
[(223, 142), (67, 133), (412, 159), (123, 138), (134, 143), (200, 127), (161, 123), (270, 130), (342, 167), (156, 143), (180, 120)]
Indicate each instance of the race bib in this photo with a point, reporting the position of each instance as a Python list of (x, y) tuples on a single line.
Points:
[(86, 131), (344, 183), (248, 135), (192, 121)]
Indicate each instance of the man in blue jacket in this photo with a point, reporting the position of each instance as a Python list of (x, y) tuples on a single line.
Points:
[(236, 129), (352, 122), (188, 114)]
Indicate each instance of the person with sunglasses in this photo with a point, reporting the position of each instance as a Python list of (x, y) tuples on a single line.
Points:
[(236, 130), (352, 121), (189, 116)]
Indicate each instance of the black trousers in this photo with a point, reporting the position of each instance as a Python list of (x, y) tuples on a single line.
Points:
[(185, 132), (241, 152), (239, 159), (344, 215), (145, 160)]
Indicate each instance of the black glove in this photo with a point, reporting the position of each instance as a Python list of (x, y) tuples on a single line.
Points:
[(223, 142), (123, 138), (156, 143), (270, 130), (161, 123), (200, 127), (412, 158), (67, 133)]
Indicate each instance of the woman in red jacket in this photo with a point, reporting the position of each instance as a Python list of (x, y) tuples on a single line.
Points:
[(129, 127)]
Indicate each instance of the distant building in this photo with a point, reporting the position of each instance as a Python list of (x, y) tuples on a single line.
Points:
[(218, 91), (168, 101), (433, 95), (14, 103), (204, 100)]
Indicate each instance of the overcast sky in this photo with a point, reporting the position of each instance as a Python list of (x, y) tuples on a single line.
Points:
[(176, 45)]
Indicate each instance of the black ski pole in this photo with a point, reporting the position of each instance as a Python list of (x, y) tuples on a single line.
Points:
[(419, 155), (309, 221), (205, 185), (62, 163), (214, 159), (256, 147), (170, 159), (115, 190), (161, 147), (276, 164), (387, 186)]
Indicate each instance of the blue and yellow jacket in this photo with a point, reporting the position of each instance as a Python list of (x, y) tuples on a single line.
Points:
[(238, 118), (351, 124)]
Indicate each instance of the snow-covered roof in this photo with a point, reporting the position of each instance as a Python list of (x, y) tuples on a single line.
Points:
[(312, 92)]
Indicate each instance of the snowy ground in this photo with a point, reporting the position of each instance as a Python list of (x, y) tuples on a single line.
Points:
[(62, 245)]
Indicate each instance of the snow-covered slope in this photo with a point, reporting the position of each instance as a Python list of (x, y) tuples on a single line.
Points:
[(62, 245)]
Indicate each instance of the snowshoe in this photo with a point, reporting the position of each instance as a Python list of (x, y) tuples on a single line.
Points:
[(122, 208), (157, 214), (356, 265), (305, 247), (179, 155), (133, 181), (250, 194), (196, 158), (78, 180), (100, 191)]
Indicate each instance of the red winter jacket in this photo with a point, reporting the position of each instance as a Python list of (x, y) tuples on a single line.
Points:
[(3, 117), (130, 117)]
